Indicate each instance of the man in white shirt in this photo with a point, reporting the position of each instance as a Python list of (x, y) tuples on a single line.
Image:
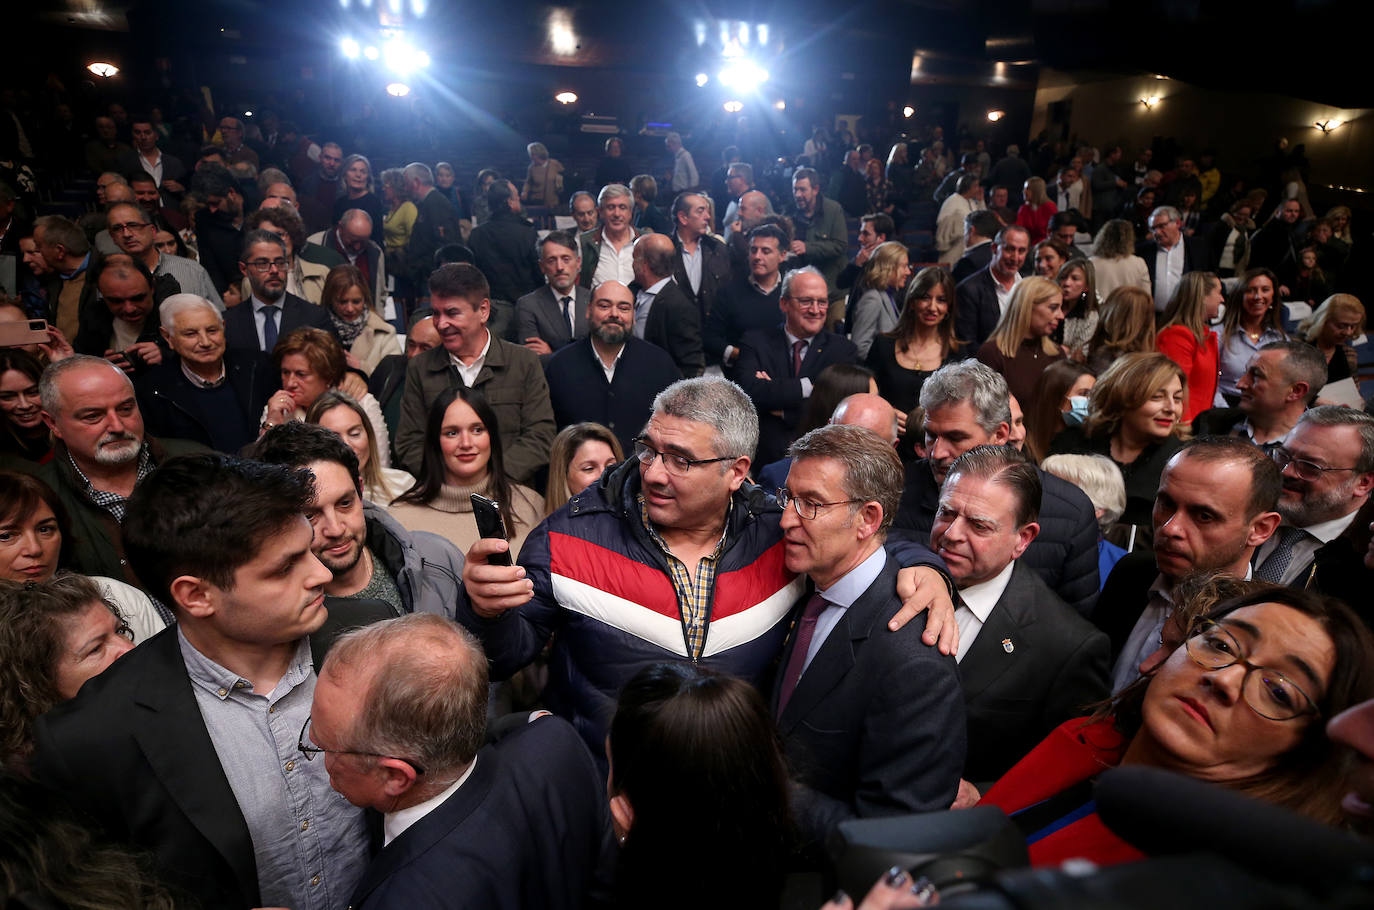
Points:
[(1019, 642), (1168, 254), (1067, 190), (607, 254), (399, 716), (685, 176), (966, 199)]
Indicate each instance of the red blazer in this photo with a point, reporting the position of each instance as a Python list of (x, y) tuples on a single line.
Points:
[(1200, 362), (1075, 752), (1036, 221)]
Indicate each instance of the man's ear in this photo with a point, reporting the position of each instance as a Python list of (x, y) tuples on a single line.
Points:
[(195, 595), (1262, 527), (622, 813), (398, 776)]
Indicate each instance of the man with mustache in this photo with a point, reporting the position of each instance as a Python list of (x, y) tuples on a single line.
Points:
[(101, 455), (610, 377)]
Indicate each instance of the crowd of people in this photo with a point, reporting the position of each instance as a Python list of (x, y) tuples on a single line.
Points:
[(883, 486)]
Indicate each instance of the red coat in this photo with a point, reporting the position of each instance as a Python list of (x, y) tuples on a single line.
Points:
[(1076, 751), (1200, 362), (1036, 221)]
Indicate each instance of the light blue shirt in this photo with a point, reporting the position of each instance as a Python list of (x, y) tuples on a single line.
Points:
[(644, 301), (841, 596), (260, 319)]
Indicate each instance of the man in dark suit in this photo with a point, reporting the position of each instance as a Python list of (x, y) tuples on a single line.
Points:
[(1169, 255), (980, 228), (750, 302), (966, 405), (219, 225), (504, 245), (351, 240), (556, 314), (1027, 661), (982, 299), (664, 314), (1327, 464), (702, 268), (872, 721), (521, 823), (182, 747), (270, 312), (778, 366), (610, 377), (436, 223)]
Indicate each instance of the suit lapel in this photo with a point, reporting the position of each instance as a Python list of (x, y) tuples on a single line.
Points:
[(988, 658)]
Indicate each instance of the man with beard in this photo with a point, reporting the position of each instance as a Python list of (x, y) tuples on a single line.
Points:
[(553, 316), (610, 377), (1327, 463), (100, 456), (270, 312)]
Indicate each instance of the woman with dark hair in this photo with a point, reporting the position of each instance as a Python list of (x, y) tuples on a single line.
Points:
[(334, 410), (25, 436), (356, 176), (1049, 255), (1241, 704), (1252, 320), (880, 286), (613, 167), (581, 453), (1060, 396), (348, 300), (834, 384), (922, 342), (481, 211), (1077, 283), (446, 182), (695, 761), (462, 456), (1187, 339), (54, 635)]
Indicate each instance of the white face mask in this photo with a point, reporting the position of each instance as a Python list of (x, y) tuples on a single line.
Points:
[(1078, 410)]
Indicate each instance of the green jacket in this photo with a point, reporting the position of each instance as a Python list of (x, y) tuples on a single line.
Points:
[(827, 241)]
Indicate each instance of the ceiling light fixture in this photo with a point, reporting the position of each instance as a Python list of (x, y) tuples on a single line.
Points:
[(908, 112), (1150, 102), (565, 97), (994, 116), (103, 70), (734, 107), (1328, 125)]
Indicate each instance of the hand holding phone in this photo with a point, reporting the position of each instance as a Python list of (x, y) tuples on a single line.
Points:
[(489, 524)]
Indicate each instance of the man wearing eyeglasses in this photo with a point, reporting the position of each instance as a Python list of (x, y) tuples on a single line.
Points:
[(133, 231), (669, 556), (777, 366), (270, 312), (460, 818), (1327, 463)]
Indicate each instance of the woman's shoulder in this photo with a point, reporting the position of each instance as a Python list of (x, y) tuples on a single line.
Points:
[(526, 499)]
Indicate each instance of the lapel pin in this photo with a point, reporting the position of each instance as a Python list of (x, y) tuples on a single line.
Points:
[(1007, 645)]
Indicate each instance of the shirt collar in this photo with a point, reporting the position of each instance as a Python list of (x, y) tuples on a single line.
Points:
[(200, 383), (258, 304), (777, 280), (221, 681), (980, 598), (453, 358), (1329, 530), (856, 581), (396, 823), (653, 289), (68, 276)]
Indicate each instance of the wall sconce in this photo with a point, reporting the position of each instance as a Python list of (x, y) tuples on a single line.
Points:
[(1328, 125), (103, 70), (1150, 102), (566, 97), (908, 112), (994, 116)]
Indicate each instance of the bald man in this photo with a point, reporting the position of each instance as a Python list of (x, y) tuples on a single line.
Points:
[(664, 313), (351, 240), (863, 409)]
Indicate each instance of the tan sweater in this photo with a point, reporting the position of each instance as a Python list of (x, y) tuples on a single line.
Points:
[(450, 514)]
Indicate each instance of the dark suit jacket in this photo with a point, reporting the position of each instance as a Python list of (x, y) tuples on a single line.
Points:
[(1064, 554), (132, 751), (739, 309), (876, 723), (504, 249), (1217, 421), (578, 389), (173, 407), (972, 261), (540, 315), (767, 350), (529, 828), (976, 309), (1123, 598), (1195, 255), (1057, 665), (674, 324), (715, 273), (1338, 569), (241, 329)]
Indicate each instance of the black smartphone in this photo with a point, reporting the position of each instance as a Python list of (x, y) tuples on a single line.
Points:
[(489, 524)]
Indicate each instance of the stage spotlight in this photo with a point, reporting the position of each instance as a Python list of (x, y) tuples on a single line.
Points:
[(103, 70), (402, 58), (350, 48), (565, 97), (780, 104), (702, 79), (734, 107), (908, 112), (744, 76), (371, 52), (398, 89)]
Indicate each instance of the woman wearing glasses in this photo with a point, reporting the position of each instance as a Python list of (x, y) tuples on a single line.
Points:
[(1242, 703)]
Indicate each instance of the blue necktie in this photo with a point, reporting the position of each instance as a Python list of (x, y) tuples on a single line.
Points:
[(269, 328)]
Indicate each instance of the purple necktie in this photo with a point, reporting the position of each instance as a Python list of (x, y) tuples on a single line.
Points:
[(806, 628), (798, 349)]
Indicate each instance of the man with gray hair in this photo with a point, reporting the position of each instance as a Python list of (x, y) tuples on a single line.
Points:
[(67, 252), (685, 176), (400, 712), (607, 254), (873, 723), (739, 181), (436, 222), (352, 240), (967, 404), (202, 390), (1168, 254), (1327, 464), (1280, 382), (672, 555)]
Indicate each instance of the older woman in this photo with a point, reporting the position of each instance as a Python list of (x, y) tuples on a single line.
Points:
[(1242, 704), (1126, 325), (463, 456), (1252, 320), (356, 174), (581, 453), (1133, 418), (1187, 340), (341, 413), (25, 436), (878, 308), (1115, 263), (922, 341), (1035, 213), (54, 636), (348, 301), (1020, 347), (401, 213), (1329, 329), (544, 178), (311, 362)]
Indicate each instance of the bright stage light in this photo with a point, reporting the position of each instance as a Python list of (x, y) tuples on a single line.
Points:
[(350, 48), (566, 97), (702, 79), (103, 70), (908, 112), (744, 75), (371, 52), (398, 89), (734, 107), (403, 58)]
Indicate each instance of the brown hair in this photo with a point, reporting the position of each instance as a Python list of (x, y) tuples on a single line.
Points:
[(924, 282), (339, 280), (319, 348), (1126, 385)]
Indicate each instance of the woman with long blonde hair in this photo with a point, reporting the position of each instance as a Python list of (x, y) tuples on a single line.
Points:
[(878, 308), (1021, 347)]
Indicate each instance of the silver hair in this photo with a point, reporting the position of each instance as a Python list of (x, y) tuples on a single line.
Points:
[(177, 304), (49, 393), (720, 404), (1166, 210), (1335, 415), (418, 170), (969, 380), (611, 191), (353, 214), (1096, 475), (792, 275), (872, 470), (270, 175)]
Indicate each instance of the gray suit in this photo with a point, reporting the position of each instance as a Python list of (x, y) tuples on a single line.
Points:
[(539, 314)]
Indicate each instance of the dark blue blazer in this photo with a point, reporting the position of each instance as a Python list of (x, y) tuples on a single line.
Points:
[(175, 409), (578, 389), (530, 828), (976, 310), (767, 351), (241, 329)]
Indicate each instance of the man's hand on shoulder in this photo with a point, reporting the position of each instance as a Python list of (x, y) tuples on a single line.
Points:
[(922, 588), (492, 590)]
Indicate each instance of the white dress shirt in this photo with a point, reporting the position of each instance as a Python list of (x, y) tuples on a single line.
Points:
[(1168, 274), (394, 824), (613, 264), (976, 606), (1004, 294), (469, 371), (644, 301), (841, 596)]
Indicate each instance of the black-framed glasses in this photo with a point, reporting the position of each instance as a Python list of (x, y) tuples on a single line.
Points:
[(1306, 470), (672, 462), (310, 750), (263, 265), (1268, 692), (805, 508)]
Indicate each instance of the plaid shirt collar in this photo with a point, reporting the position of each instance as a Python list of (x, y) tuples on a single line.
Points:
[(694, 590), (113, 502)]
